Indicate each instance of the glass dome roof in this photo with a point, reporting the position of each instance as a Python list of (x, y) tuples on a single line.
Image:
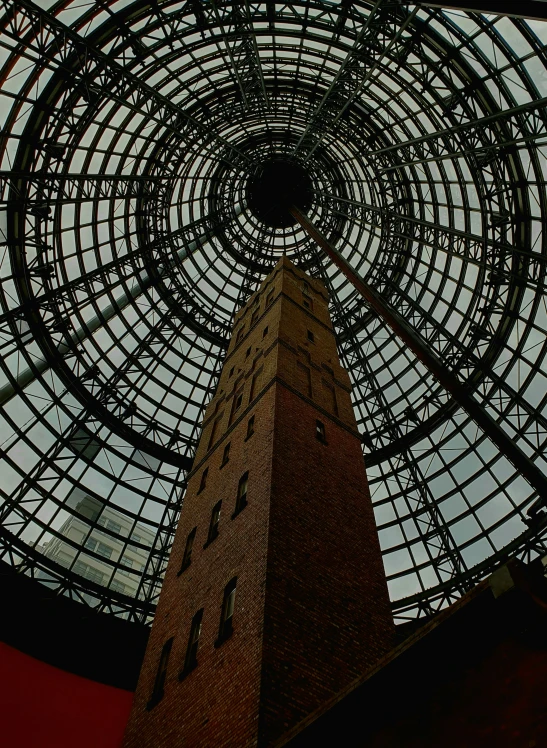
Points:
[(134, 135)]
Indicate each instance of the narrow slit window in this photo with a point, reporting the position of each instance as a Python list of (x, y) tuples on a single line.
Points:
[(225, 455), (303, 374), (190, 661), (307, 301), (187, 557), (264, 332), (320, 431), (250, 427), (254, 318), (248, 352), (311, 336), (240, 334), (236, 405), (329, 394), (215, 521), (269, 299), (254, 385), (241, 501), (227, 612), (161, 674), (203, 482), (214, 432)]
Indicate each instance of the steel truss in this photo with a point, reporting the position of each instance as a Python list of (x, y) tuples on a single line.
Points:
[(127, 245)]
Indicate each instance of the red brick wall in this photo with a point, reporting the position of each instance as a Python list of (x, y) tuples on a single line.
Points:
[(304, 549), (327, 610)]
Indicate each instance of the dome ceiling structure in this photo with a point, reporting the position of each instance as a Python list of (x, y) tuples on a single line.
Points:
[(150, 150)]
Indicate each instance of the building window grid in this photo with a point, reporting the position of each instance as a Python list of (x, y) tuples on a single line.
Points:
[(101, 549), (88, 572), (109, 524), (125, 561)]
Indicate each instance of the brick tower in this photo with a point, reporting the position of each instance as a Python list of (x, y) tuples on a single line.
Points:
[(275, 597)]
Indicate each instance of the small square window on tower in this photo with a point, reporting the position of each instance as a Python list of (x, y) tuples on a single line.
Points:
[(203, 482), (187, 557), (250, 427), (225, 455), (214, 523), (248, 352), (307, 301), (227, 613), (264, 332), (320, 431), (190, 661), (311, 336), (161, 674), (241, 500)]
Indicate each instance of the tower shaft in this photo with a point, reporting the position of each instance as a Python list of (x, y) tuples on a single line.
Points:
[(275, 596)]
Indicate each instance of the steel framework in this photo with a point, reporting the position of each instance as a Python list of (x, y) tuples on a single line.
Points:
[(130, 131)]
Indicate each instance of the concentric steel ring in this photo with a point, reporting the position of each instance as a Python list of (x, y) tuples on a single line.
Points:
[(131, 134)]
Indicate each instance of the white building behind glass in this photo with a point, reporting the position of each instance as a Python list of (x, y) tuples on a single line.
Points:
[(88, 548)]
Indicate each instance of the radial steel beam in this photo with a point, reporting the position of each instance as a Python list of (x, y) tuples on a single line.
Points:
[(363, 60), (79, 188), (435, 534), (26, 376), (528, 469), (476, 240), (422, 143), (242, 50), (98, 73), (536, 9)]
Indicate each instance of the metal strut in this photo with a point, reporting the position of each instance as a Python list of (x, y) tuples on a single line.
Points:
[(449, 381)]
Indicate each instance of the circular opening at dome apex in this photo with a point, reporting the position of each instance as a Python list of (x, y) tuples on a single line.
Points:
[(278, 185)]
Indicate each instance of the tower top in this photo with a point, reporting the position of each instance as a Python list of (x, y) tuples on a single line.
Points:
[(315, 285)]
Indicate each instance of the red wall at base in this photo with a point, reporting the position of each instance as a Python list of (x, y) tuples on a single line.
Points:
[(42, 706)]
